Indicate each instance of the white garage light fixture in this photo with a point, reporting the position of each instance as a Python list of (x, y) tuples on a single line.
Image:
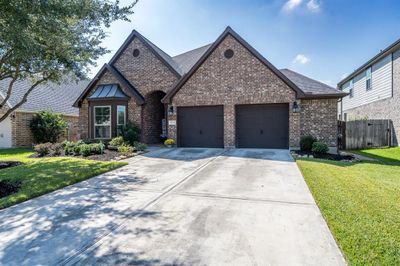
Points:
[(296, 107)]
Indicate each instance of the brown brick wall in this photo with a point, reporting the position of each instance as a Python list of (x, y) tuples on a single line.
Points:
[(147, 74), (383, 109), (243, 79), (22, 135), (134, 110), (319, 118)]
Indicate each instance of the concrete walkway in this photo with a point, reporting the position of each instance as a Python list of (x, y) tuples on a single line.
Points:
[(176, 207)]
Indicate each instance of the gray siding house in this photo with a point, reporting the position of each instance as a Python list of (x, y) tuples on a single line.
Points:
[(374, 90)]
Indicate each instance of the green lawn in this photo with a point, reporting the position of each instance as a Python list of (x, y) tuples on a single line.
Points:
[(43, 175), (361, 204)]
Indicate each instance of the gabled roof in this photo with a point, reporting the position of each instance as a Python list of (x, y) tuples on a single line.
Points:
[(50, 96), (187, 60), (390, 49), (312, 88), (160, 54), (139, 98), (229, 31)]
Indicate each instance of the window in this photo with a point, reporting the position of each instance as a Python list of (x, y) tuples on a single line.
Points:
[(368, 74), (102, 122), (121, 118), (351, 89)]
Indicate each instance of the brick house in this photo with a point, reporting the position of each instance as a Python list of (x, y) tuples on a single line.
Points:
[(374, 90), (224, 94), (15, 130)]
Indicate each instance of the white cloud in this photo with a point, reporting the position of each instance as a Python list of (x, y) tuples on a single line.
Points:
[(291, 4), (301, 59), (314, 6)]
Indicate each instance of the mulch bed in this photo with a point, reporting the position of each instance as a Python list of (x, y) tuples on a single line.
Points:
[(6, 164), (108, 155), (8, 187), (326, 156)]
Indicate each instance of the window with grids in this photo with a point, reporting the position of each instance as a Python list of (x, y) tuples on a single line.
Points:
[(121, 118), (368, 75), (102, 122), (351, 91)]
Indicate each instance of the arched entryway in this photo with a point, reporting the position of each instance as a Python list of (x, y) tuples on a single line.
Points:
[(153, 115)]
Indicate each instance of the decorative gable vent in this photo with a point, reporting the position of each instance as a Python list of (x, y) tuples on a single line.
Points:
[(228, 53)]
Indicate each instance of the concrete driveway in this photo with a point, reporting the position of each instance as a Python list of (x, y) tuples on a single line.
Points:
[(176, 207)]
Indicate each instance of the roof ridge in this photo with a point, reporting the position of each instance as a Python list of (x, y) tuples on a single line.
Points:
[(192, 50), (160, 54), (254, 52)]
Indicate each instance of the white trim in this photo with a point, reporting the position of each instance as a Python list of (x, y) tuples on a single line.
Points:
[(94, 120)]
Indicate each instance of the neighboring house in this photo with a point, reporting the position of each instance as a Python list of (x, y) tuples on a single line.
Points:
[(15, 130), (225, 94), (374, 90)]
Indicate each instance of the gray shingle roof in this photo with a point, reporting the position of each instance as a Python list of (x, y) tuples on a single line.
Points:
[(310, 86), (52, 96), (187, 60), (165, 56)]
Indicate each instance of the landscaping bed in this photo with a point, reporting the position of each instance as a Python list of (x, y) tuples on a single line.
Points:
[(325, 156), (8, 187), (37, 176), (6, 164)]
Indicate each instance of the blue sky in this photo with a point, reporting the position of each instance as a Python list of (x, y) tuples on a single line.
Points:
[(323, 39)]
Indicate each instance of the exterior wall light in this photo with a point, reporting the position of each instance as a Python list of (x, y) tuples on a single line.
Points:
[(296, 107), (171, 110)]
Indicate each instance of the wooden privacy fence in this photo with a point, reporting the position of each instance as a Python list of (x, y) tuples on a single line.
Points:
[(361, 134)]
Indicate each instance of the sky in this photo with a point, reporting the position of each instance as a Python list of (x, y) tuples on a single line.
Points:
[(322, 39)]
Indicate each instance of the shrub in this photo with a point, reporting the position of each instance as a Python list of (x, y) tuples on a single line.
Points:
[(139, 146), (43, 149), (117, 141), (306, 142), (77, 148), (130, 133), (69, 147), (126, 149), (84, 149), (96, 148), (319, 147), (169, 142), (57, 148), (47, 126)]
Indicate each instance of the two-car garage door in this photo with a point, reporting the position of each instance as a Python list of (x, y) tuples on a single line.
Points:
[(257, 126)]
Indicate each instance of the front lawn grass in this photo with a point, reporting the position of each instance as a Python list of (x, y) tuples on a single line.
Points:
[(43, 175), (361, 204)]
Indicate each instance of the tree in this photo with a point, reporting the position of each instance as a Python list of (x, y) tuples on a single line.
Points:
[(44, 41)]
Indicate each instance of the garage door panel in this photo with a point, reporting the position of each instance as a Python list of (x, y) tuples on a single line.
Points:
[(262, 126), (201, 126)]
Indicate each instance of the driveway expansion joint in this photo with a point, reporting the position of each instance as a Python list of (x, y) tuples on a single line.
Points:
[(78, 256), (222, 197)]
